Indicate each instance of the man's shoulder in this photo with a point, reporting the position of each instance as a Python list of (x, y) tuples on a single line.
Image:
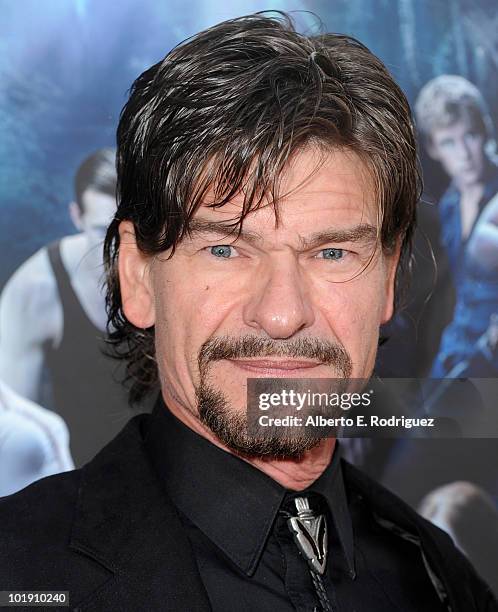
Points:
[(43, 511), (35, 271), (31, 290), (450, 569), (38, 524), (52, 500), (32, 512), (94, 532), (35, 528)]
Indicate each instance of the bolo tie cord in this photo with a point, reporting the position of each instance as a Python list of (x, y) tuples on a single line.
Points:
[(321, 592), (310, 535)]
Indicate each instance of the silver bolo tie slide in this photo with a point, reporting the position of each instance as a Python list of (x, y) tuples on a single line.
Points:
[(310, 535)]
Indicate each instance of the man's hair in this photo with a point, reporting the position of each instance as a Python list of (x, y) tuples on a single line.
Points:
[(226, 110), (447, 99), (98, 172)]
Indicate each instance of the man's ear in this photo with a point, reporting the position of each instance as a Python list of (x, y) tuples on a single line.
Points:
[(75, 214), (135, 283), (391, 262)]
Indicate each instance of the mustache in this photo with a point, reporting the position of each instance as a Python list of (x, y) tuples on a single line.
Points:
[(324, 351)]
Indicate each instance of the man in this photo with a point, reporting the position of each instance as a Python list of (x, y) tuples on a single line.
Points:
[(52, 315), (473, 331), (457, 130), (267, 185)]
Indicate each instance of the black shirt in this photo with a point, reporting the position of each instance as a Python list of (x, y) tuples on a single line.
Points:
[(236, 520)]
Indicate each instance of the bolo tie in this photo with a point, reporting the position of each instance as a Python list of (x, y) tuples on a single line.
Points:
[(309, 531)]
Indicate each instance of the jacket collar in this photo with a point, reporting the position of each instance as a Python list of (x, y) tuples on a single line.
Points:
[(125, 522)]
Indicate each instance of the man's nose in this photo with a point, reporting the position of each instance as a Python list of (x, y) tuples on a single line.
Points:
[(280, 304), (464, 151)]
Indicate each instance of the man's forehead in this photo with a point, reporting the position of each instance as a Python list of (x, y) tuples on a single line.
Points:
[(335, 185), (461, 125), (98, 205)]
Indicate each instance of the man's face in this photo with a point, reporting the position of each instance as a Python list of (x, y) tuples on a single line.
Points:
[(277, 302), (460, 149), (98, 211)]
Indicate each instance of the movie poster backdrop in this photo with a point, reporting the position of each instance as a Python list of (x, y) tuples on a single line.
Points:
[(66, 67)]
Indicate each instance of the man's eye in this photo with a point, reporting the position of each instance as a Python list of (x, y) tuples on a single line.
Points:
[(331, 254), (472, 136), (223, 250)]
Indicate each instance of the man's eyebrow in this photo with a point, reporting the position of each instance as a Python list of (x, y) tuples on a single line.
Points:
[(363, 232), (358, 233), (198, 227)]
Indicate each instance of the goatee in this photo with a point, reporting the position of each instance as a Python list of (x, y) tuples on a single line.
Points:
[(230, 426)]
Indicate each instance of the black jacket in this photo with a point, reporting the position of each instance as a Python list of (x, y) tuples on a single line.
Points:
[(108, 534)]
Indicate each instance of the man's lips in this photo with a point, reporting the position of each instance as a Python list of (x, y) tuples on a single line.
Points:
[(274, 367)]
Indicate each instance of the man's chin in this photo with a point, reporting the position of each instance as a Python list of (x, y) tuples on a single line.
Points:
[(230, 428), (233, 435)]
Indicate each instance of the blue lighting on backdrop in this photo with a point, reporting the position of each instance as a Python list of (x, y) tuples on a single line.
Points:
[(66, 66)]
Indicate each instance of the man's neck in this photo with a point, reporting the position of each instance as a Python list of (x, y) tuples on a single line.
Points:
[(84, 267), (472, 191), (294, 474), (297, 474), (470, 196)]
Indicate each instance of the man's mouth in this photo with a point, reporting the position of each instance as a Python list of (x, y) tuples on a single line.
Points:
[(276, 368)]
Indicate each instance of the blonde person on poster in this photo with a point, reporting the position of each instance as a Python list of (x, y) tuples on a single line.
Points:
[(457, 131)]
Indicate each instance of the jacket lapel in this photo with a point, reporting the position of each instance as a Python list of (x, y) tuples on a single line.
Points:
[(438, 549), (126, 523)]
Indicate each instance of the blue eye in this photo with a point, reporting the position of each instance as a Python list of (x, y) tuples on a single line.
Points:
[(221, 250), (471, 136), (447, 143), (332, 253)]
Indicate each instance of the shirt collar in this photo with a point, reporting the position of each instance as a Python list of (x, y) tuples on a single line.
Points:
[(233, 503)]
